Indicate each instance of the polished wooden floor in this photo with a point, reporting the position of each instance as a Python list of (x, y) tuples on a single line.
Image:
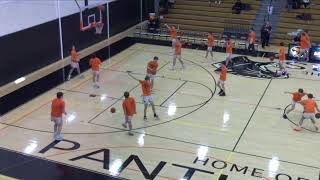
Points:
[(200, 135)]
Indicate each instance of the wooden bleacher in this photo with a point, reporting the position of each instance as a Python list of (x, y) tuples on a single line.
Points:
[(196, 15), (289, 23)]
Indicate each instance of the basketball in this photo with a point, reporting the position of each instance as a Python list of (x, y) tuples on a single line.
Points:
[(113, 110), (318, 115)]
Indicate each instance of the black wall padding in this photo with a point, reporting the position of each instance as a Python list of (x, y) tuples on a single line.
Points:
[(26, 51), (123, 14)]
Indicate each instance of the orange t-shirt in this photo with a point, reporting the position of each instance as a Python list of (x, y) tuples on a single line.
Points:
[(95, 64), (304, 42), (57, 107), (152, 67), (74, 56), (309, 106), (129, 106), (252, 37), (296, 96), (229, 47), (146, 87), (210, 41), (308, 37), (173, 32), (178, 48), (282, 54), (223, 73)]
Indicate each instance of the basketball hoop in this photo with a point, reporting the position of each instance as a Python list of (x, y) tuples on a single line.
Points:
[(90, 21), (99, 27)]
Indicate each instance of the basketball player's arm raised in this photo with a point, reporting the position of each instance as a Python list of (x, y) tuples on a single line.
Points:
[(167, 26)]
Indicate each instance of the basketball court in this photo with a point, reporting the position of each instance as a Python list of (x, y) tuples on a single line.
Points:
[(200, 135)]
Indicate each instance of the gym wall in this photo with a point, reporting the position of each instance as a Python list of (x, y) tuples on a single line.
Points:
[(33, 48)]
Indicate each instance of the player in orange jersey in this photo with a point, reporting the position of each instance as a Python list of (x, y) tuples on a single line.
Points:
[(173, 33), (229, 47), (74, 63), (57, 110), (152, 69), (305, 46), (129, 109), (95, 63), (296, 97), (310, 106), (210, 45), (177, 55), (251, 41), (222, 79), (147, 98)]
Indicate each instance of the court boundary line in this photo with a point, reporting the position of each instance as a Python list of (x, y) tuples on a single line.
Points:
[(253, 113), (185, 82)]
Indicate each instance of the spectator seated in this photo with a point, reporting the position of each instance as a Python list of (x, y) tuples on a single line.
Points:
[(153, 23), (237, 7)]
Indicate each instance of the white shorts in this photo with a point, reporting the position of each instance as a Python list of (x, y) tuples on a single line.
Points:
[(281, 64), (177, 56), (304, 50), (128, 118), (57, 120), (147, 99), (74, 64), (309, 115), (95, 73), (151, 76), (174, 41), (209, 48), (221, 81), (229, 56)]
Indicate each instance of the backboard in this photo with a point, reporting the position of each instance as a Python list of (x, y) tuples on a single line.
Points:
[(91, 13)]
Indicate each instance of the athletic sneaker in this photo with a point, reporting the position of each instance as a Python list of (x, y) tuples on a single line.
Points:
[(124, 125), (69, 77), (58, 137), (222, 94), (145, 118), (130, 133), (285, 116), (156, 117), (54, 135), (297, 129)]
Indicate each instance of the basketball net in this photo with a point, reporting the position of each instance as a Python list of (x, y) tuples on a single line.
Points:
[(99, 28)]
